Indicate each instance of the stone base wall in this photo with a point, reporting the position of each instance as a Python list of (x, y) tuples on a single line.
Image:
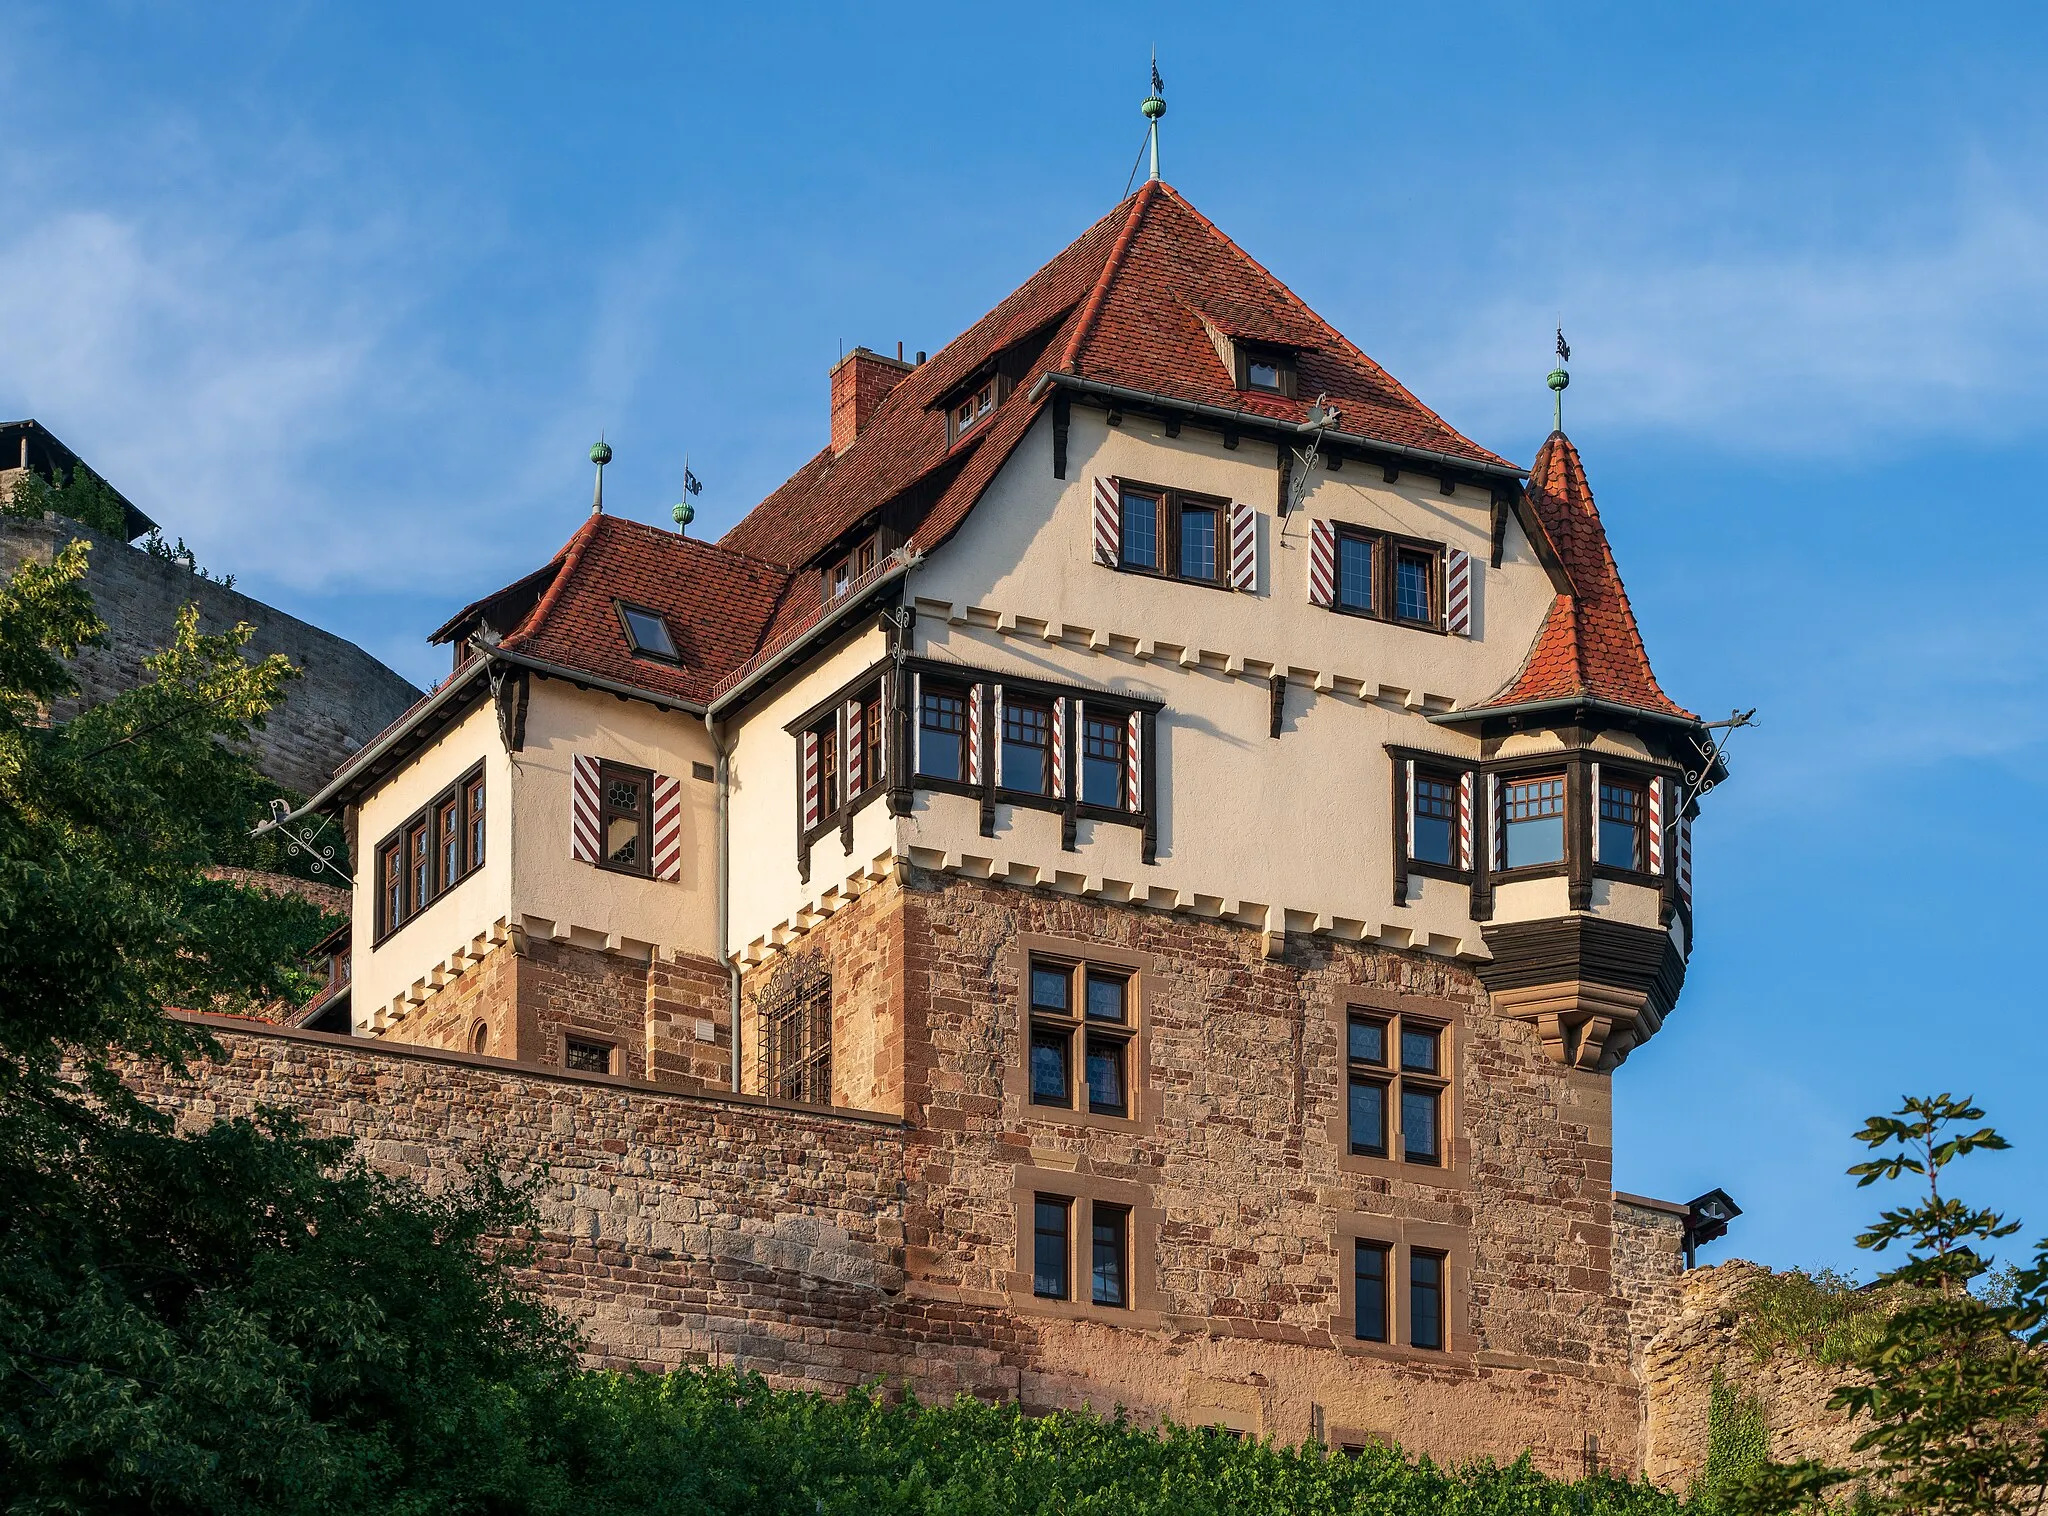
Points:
[(343, 699), (1649, 1268)]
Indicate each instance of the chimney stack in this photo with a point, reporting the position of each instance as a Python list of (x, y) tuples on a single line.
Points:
[(860, 382)]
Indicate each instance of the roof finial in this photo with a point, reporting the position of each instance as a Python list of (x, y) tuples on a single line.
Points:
[(684, 512), (1155, 107), (601, 454), (1559, 379)]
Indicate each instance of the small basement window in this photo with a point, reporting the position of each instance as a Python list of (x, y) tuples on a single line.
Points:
[(647, 634)]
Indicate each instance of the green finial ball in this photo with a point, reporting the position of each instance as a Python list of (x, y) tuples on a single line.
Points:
[(601, 454), (684, 513), (1154, 107), (1558, 379)]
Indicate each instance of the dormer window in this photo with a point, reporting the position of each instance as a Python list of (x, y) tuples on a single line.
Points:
[(647, 634), (1261, 374), (840, 576), (974, 407), (1268, 370)]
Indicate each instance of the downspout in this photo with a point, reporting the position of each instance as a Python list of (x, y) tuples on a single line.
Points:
[(732, 969)]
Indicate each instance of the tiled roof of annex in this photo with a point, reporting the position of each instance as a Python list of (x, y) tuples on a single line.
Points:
[(1589, 646)]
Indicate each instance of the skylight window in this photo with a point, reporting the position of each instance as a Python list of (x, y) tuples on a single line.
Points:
[(647, 634)]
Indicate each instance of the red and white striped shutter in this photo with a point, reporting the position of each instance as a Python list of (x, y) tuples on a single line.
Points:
[(1109, 525), (1458, 592), (1595, 840), (1059, 748), (1684, 853), (995, 717), (1657, 826), (856, 750), (1134, 762), (1244, 548), (585, 834), (1322, 563), (974, 734), (1465, 820), (1494, 825), (668, 827), (1408, 780), (813, 797), (916, 723)]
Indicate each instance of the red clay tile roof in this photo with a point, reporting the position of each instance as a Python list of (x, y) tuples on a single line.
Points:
[(717, 603), (1589, 647), (1123, 303)]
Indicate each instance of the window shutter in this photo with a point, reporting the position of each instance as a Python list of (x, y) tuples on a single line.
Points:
[(856, 750), (1458, 592), (1322, 563), (1493, 821), (584, 831), (668, 827), (1134, 762), (1244, 548), (1657, 826), (1684, 852), (916, 723), (1408, 780), (995, 716), (1109, 521), (1465, 820), (813, 800), (974, 734), (1059, 748), (1593, 843)]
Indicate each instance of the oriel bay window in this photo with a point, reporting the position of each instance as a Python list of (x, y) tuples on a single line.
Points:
[(1531, 820), (1395, 1064), (432, 852), (842, 754), (1620, 840), (1026, 759), (942, 731)]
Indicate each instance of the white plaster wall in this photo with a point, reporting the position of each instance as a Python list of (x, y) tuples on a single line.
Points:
[(382, 971), (1301, 824), (766, 891), (549, 886)]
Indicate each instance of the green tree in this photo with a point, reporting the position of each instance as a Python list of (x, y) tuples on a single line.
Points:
[(82, 495), (1955, 1386), (241, 1319)]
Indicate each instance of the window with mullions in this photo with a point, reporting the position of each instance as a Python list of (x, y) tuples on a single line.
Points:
[(434, 850), (1377, 1086), (1027, 746), (1436, 819), (1357, 576), (1390, 577), (1532, 820), (942, 732), (1165, 532), (1414, 586), (1623, 811), (1091, 1037), (1102, 760)]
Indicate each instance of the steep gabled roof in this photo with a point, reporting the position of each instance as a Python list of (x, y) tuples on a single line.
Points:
[(1589, 647), (718, 605), (1128, 302)]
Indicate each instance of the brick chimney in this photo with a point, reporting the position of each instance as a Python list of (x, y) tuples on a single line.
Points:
[(860, 382)]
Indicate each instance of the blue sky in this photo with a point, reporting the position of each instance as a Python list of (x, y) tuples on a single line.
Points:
[(343, 294)]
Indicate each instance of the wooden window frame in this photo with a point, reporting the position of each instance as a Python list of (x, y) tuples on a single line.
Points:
[(963, 691), (1396, 1012), (954, 676), (873, 686), (1284, 360), (1014, 701), (642, 866), (1169, 504), (983, 395), (412, 903), (1387, 550)]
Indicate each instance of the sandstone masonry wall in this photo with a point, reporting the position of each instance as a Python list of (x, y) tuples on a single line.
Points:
[(345, 697)]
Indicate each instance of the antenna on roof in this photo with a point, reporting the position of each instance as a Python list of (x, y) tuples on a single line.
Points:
[(684, 512), (600, 455), (1560, 379)]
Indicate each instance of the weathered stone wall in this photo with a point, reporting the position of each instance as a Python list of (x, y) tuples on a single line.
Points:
[(1649, 1267), (1701, 1339), (344, 698)]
